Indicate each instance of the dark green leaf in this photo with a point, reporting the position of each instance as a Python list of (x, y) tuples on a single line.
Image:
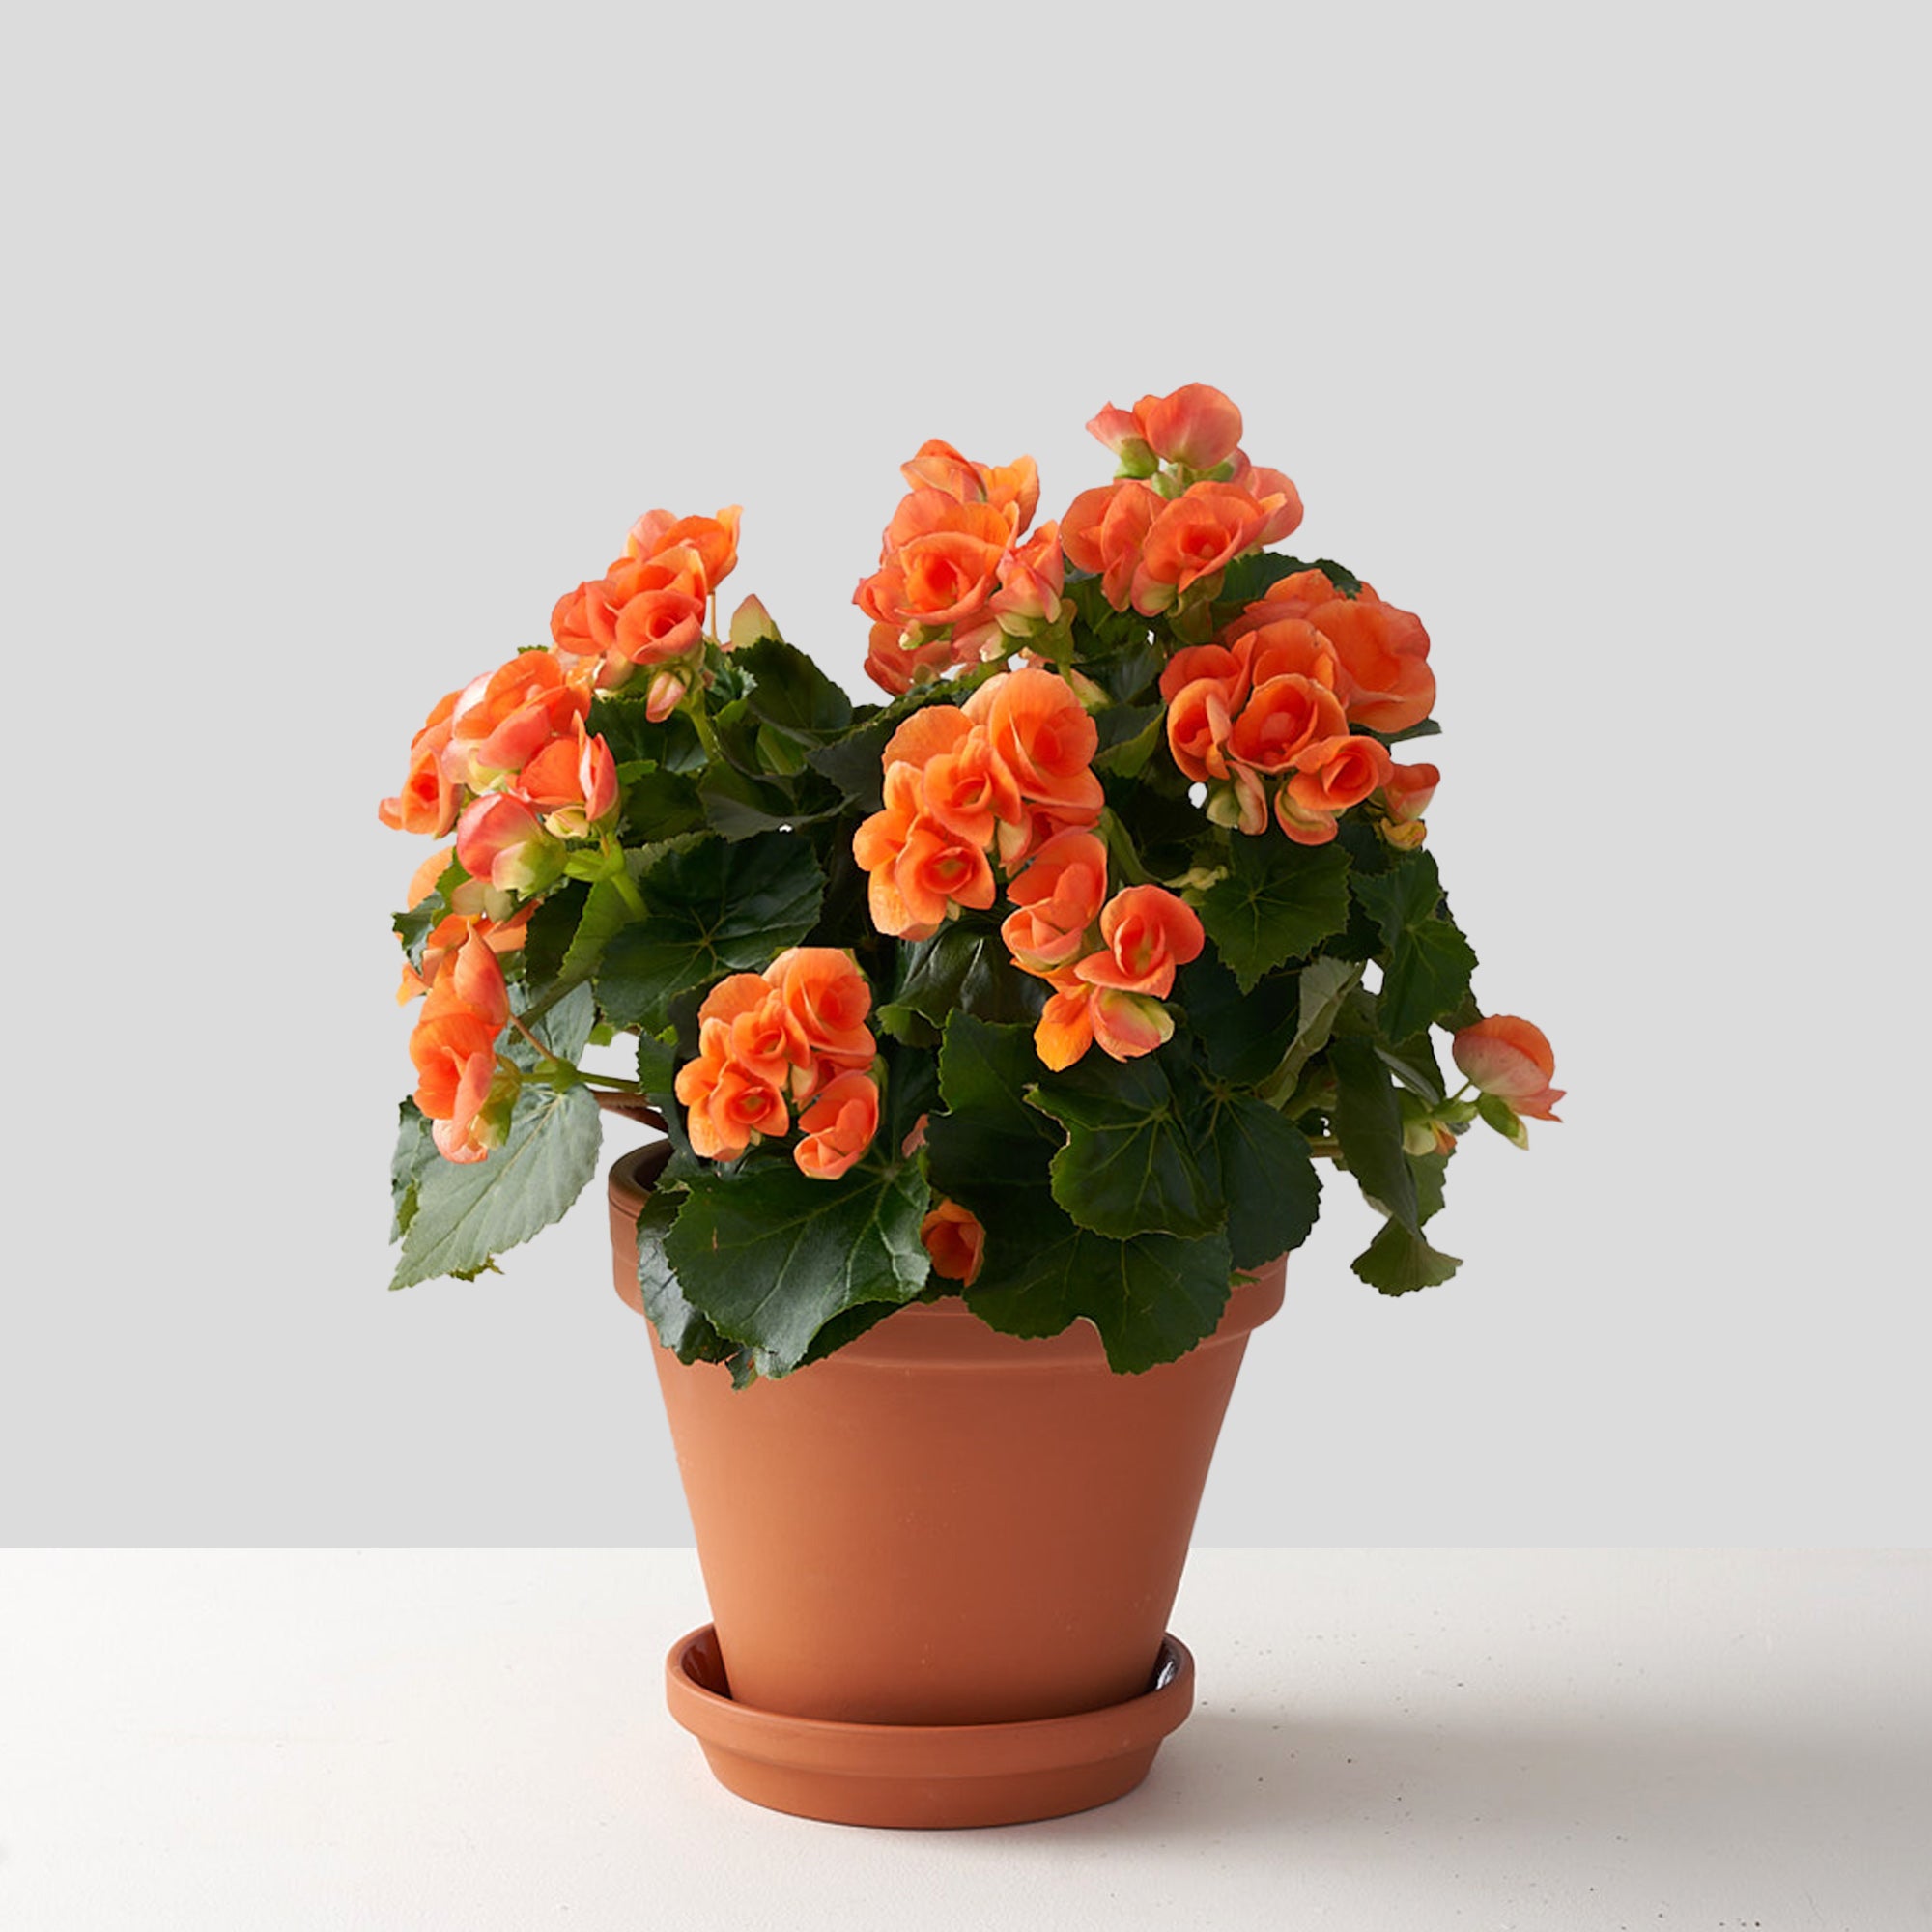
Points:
[(710, 909), (1428, 962), (1368, 1127), (1244, 1035), (1269, 1176), (465, 1214), (619, 718), (679, 1327), (658, 806), (548, 935), (963, 967), (657, 1063), (1151, 1298), (1131, 1164), (1431, 1175), (1399, 1260), (770, 1256), (1278, 902), (790, 694), (1130, 734)]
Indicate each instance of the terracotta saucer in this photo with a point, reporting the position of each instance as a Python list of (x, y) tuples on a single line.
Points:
[(923, 1774)]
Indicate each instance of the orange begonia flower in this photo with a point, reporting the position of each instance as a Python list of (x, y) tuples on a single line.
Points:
[(1282, 719), (1148, 933), (1510, 1058), (504, 718), (825, 1000), (429, 800), (573, 781), (1195, 426), (727, 1099), (1193, 538), (1333, 774), (955, 1241), (838, 1126), (1103, 530), (454, 1050), (1059, 896), (920, 871), (1044, 738)]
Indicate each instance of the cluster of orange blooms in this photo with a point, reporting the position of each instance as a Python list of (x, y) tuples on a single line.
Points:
[(510, 765), (647, 611), (1275, 699), (960, 581), (791, 1037), (1007, 780)]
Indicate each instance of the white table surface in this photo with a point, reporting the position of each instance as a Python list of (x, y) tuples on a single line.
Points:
[(1388, 1740)]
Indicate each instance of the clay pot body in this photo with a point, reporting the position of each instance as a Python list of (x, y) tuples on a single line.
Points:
[(939, 1524)]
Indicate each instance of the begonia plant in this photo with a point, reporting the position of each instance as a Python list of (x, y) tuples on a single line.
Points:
[(1049, 980)]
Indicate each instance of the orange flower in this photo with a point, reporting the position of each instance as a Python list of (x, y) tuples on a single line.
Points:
[(1059, 896), (838, 1126), (1195, 426), (824, 999), (761, 1039), (711, 543), (1406, 792), (428, 801), (1043, 736), (454, 1051), (1123, 1025), (1383, 652), (1148, 933), (726, 1101), (955, 1241), (1103, 530), (941, 561), (501, 841), (1016, 487), (1270, 487), (1199, 727), (920, 873), (573, 781), (1282, 719), (1192, 540), (1290, 647), (661, 623), (1334, 774), (1066, 1027), (1510, 1058), (896, 666), (504, 719)]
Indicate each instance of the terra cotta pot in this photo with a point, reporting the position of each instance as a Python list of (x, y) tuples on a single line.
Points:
[(940, 1525)]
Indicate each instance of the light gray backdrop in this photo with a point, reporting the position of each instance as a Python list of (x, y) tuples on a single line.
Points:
[(343, 340)]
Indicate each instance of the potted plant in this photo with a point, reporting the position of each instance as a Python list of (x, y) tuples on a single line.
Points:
[(994, 1033)]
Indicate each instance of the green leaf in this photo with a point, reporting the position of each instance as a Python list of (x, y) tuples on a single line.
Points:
[(1131, 1164), (1429, 961), (1431, 1177), (1368, 1127), (550, 929), (963, 967), (983, 1073), (679, 1327), (1243, 1034), (1269, 1176), (769, 1256), (415, 1151), (1399, 1261), (563, 1027), (1279, 901), (657, 1061), (1130, 734), (1151, 1298), (790, 694), (1323, 988), (466, 1215), (619, 717), (710, 908)]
